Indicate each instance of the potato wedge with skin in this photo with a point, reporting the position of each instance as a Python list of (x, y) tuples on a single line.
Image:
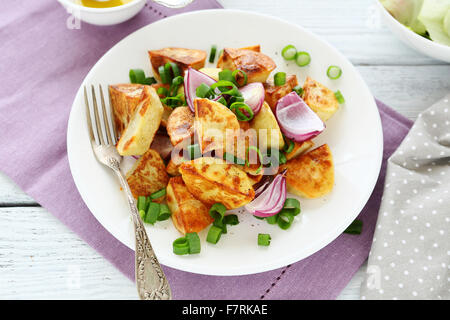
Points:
[(172, 168), (256, 48), (184, 58), (212, 180), (215, 125), (257, 65), (180, 125), (124, 100), (211, 72), (274, 93), (139, 133), (311, 175), (188, 213), (267, 128), (147, 175), (320, 99), (299, 148)]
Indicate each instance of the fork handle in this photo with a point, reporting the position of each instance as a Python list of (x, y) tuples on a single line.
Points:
[(150, 279)]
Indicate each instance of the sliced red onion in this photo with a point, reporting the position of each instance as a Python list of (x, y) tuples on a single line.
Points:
[(296, 119), (192, 79), (271, 200), (253, 94)]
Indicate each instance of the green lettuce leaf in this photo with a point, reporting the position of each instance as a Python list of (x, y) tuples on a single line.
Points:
[(435, 16)]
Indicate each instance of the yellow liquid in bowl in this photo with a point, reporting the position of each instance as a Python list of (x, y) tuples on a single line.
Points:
[(102, 4)]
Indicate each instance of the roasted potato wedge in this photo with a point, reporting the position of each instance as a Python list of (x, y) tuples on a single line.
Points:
[(299, 148), (274, 93), (188, 213), (147, 175), (124, 100), (215, 125), (311, 175), (180, 125), (257, 65), (320, 99), (211, 72), (139, 133), (267, 127), (212, 180), (184, 58), (172, 168)]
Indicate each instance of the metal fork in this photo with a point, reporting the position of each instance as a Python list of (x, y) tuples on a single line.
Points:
[(150, 279)]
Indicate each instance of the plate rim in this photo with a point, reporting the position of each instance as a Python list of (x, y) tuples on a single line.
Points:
[(275, 263)]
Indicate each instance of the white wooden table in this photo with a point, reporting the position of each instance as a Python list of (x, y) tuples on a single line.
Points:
[(41, 259)]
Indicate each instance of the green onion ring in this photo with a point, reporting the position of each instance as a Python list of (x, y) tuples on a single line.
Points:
[(237, 108), (279, 78), (302, 58), (334, 72), (339, 97), (285, 219), (289, 52), (264, 239), (152, 213), (235, 75), (180, 246), (194, 242), (260, 157), (212, 55), (164, 212), (214, 234)]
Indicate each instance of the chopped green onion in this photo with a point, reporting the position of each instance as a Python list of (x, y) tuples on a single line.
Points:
[(164, 212), (292, 206), (226, 87), (194, 151), (142, 214), (239, 108), (334, 72), (223, 101), (165, 78), (235, 75), (175, 70), (231, 158), (260, 157), (281, 158), (285, 219), (339, 97), (298, 90), (289, 52), (272, 219), (163, 92), (231, 219), (227, 75), (259, 218), (152, 213), (355, 227), (302, 58), (147, 203), (212, 55), (137, 76), (203, 91), (279, 78), (180, 246), (264, 239), (222, 225), (288, 145), (194, 242), (174, 102), (214, 234), (217, 211), (158, 194), (176, 83), (150, 81), (141, 203)]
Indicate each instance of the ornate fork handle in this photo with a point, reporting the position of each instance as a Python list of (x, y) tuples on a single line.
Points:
[(150, 279)]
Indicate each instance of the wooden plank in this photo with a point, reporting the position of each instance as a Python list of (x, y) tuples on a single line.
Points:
[(41, 259), (11, 195), (353, 26)]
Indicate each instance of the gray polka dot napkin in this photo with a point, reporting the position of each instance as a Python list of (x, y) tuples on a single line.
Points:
[(410, 255)]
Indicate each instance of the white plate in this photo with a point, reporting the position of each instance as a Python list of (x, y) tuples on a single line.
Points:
[(354, 135)]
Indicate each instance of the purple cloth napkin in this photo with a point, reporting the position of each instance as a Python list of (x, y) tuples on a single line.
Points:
[(45, 63)]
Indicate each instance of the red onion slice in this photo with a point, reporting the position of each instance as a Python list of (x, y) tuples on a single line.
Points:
[(271, 200), (253, 94), (192, 79), (296, 119)]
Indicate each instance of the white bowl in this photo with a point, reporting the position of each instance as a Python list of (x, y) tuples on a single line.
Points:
[(412, 39), (104, 16)]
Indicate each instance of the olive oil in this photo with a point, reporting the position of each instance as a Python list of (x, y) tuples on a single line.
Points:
[(102, 4)]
